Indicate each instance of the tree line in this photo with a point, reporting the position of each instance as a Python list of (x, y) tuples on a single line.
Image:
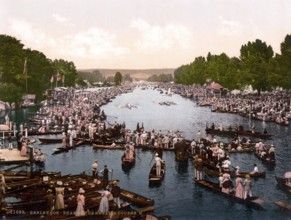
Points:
[(23, 70), (256, 66)]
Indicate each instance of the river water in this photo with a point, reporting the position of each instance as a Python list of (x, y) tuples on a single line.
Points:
[(178, 196)]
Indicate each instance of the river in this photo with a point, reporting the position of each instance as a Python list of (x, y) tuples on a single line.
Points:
[(178, 196)]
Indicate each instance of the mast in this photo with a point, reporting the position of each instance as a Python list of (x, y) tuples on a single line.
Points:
[(25, 72)]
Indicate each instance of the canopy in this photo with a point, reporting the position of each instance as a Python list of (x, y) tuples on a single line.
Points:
[(287, 175)]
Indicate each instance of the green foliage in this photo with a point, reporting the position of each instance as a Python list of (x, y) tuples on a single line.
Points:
[(127, 78), (118, 78), (92, 77), (37, 72), (161, 78), (256, 66)]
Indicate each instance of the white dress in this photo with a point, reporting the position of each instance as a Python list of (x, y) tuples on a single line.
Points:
[(104, 203), (80, 207)]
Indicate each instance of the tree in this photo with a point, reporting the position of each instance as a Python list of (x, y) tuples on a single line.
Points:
[(118, 78), (256, 57)]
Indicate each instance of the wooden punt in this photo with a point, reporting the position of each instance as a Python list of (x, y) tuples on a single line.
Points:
[(50, 140), (109, 147), (36, 132), (233, 174), (283, 205), (252, 202), (135, 198), (237, 132), (62, 149), (127, 161), (153, 178)]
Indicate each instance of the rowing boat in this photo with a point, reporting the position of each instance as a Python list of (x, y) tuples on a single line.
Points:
[(66, 149), (135, 198), (110, 147), (252, 202), (283, 204), (237, 132), (233, 174)]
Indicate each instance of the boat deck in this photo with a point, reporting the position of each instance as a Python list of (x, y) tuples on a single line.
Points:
[(12, 156)]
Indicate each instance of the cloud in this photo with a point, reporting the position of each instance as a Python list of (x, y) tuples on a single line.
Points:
[(94, 42), (229, 28), (155, 37), (62, 20), (23, 30)]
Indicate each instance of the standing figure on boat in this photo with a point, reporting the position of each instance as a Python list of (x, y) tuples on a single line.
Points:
[(226, 183), (115, 191), (64, 140), (105, 173), (159, 162), (239, 189), (104, 203), (80, 203), (60, 203), (50, 200), (198, 168), (247, 184)]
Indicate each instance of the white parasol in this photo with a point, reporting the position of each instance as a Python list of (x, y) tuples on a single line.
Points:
[(287, 175)]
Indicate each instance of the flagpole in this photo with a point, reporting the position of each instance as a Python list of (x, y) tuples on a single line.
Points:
[(25, 72)]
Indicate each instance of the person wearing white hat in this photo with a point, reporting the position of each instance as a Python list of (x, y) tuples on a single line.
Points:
[(159, 162), (80, 203), (60, 204)]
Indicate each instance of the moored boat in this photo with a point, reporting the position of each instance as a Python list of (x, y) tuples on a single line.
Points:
[(135, 198), (66, 149), (233, 174), (283, 205), (283, 182), (252, 202), (234, 133), (111, 147)]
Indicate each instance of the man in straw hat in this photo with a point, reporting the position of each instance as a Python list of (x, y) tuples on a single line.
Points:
[(50, 200)]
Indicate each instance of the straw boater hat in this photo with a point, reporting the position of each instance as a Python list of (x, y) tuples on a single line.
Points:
[(96, 161), (81, 191), (49, 191), (237, 167), (114, 182), (248, 176), (157, 155)]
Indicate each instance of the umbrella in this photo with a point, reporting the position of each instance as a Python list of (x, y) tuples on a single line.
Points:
[(287, 175)]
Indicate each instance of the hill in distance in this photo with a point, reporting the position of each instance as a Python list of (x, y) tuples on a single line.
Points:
[(138, 74)]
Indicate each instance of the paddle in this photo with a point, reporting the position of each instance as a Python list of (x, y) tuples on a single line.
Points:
[(152, 159)]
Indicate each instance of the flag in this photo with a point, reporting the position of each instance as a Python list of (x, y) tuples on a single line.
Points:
[(52, 79), (25, 67), (58, 76)]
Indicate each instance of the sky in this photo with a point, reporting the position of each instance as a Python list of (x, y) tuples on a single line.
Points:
[(143, 34)]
